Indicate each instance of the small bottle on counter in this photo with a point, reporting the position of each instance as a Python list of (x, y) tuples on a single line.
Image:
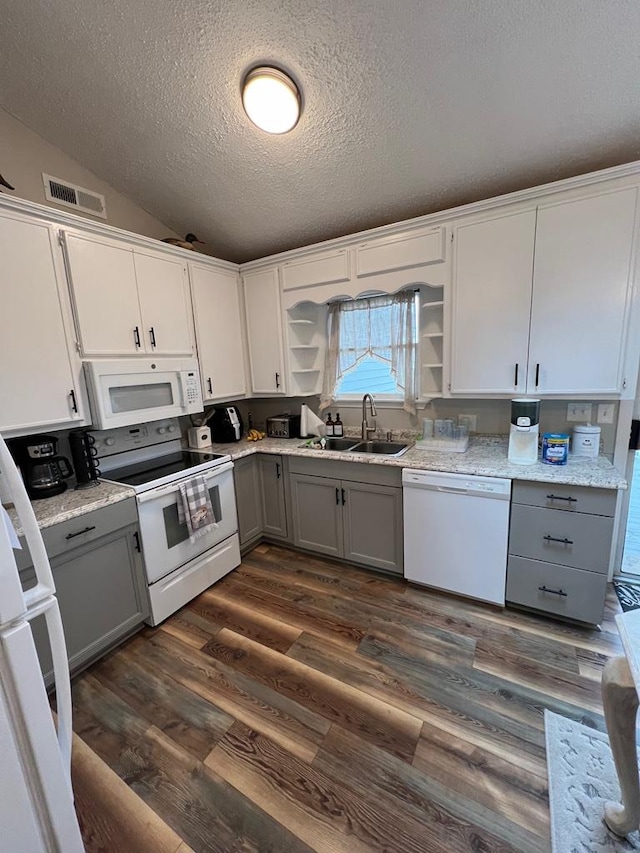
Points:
[(330, 426), (338, 429)]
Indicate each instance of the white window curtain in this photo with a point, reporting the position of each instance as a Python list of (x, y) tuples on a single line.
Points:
[(381, 326)]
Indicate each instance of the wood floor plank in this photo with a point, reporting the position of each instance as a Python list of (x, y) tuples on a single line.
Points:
[(298, 612), (384, 725), (260, 707), (187, 718), (304, 705), (246, 621), (475, 774), (328, 817), (554, 681), (464, 823), (111, 817)]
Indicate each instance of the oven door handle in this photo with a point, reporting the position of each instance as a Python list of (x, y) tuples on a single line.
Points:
[(209, 476)]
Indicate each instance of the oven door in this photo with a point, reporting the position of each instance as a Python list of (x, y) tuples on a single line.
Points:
[(125, 393), (165, 540)]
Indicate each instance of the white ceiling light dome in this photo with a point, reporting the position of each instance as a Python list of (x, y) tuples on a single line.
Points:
[(271, 99)]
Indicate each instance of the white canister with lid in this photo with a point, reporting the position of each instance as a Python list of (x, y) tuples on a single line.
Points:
[(586, 440)]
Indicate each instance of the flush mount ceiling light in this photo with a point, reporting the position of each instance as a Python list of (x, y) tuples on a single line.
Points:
[(271, 99)]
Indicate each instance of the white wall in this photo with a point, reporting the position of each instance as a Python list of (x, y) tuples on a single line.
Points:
[(24, 156)]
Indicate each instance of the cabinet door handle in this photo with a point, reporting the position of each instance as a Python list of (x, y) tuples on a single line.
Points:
[(560, 498), (80, 532), (136, 539), (210, 385), (537, 375), (515, 381), (278, 470), (136, 336), (343, 500), (564, 541), (74, 404), (152, 335), (277, 380), (561, 592), (337, 496)]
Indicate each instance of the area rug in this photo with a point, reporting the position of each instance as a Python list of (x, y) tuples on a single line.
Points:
[(582, 777), (628, 595)]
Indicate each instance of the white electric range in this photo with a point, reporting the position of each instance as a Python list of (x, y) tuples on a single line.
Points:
[(150, 459)]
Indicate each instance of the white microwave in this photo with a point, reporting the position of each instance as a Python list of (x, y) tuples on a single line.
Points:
[(124, 392)]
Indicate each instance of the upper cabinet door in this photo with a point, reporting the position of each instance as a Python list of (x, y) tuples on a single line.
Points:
[(38, 376), (103, 283), (216, 305), (163, 291), (581, 293), (264, 330), (493, 270)]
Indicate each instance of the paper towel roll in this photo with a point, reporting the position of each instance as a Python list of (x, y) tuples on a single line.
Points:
[(310, 423)]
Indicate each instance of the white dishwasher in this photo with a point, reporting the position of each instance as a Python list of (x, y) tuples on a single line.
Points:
[(456, 529)]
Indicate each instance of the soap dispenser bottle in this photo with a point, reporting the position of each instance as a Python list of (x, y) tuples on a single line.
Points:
[(330, 426), (338, 429)]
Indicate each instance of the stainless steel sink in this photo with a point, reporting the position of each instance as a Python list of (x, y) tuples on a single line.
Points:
[(382, 448), (340, 443)]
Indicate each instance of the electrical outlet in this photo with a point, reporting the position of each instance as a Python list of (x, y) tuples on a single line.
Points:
[(470, 421), (579, 412), (605, 413)]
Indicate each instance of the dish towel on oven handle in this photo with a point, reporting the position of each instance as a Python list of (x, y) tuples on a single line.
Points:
[(194, 508)]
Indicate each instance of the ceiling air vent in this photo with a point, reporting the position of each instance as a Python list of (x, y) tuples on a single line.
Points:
[(71, 195)]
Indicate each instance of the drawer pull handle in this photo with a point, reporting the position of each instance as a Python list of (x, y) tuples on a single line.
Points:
[(80, 532), (560, 498), (564, 541), (337, 497), (554, 591)]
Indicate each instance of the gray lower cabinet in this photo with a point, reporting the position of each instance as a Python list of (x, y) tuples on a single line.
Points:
[(246, 473), (317, 514), (274, 507), (560, 543), (357, 521), (100, 587)]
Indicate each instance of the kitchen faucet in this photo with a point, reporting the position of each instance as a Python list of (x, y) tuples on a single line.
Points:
[(366, 429)]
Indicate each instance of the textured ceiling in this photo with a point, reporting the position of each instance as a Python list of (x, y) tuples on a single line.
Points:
[(409, 106)]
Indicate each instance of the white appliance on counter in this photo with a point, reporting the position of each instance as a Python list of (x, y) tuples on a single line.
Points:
[(129, 391), (456, 530), (36, 798), (151, 460)]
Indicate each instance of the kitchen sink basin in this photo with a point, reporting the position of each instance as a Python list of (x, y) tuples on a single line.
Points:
[(382, 448), (340, 443)]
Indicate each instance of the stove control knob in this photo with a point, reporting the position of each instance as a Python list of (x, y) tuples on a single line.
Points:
[(171, 428), (162, 430), (109, 442)]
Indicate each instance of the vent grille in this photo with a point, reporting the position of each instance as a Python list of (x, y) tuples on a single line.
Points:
[(71, 195)]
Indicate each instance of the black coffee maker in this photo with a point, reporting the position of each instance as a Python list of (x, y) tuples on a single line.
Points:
[(43, 471)]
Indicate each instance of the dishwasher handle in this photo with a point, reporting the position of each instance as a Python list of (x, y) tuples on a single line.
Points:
[(453, 490)]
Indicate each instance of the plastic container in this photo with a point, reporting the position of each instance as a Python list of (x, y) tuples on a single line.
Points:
[(555, 448), (586, 440)]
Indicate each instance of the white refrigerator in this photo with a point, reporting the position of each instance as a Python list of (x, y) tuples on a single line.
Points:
[(36, 799)]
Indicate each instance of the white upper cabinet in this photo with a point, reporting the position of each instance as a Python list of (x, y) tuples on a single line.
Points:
[(264, 331), (541, 298), (163, 292), (413, 248), (216, 306), (127, 301), (581, 287), (105, 293), (330, 266), (493, 266), (41, 382)]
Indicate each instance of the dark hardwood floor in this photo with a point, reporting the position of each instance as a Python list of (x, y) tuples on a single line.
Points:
[(303, 705)]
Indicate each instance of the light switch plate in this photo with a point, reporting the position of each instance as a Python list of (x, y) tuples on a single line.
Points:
[(579, 412), (605, 413), (470, 421)]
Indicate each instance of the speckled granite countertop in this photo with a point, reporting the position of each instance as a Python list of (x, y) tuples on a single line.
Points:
[(486, 456), (72, 503)]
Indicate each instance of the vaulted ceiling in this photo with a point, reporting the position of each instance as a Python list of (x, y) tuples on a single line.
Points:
[(409, 106)]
